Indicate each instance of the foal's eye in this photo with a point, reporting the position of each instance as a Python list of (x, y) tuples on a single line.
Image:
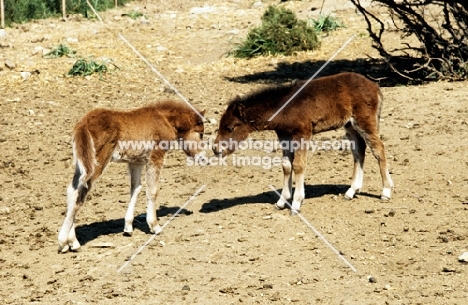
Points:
[(230, 128)]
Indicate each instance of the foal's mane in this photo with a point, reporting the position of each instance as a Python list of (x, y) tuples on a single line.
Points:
[(270, 96)]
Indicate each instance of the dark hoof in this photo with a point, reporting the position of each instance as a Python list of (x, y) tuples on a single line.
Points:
[(128, 234)]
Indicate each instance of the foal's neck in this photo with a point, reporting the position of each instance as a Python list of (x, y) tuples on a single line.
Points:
[(258, 116)]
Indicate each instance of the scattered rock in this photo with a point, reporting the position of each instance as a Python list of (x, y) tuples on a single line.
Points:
[(38, 49), (202, 10), (9, 64), (463, 258), (369, 211), (72, 40), (371, 279), (4, 210), (186, 287), (25, 75), (213, 121)]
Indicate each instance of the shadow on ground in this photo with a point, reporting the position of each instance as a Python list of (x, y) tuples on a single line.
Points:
[(89, 232), (375, 69), (311, 191)]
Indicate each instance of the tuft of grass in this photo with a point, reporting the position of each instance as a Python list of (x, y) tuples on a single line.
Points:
[(280, 33), (61, 50), (326, 24), (133, 14), (85, 67)]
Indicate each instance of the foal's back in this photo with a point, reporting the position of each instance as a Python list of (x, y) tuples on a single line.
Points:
[(329, 102)]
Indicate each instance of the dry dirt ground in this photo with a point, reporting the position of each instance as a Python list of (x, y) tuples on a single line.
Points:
[(229, 245)]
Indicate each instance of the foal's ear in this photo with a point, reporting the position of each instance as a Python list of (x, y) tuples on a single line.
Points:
[(239, 111)]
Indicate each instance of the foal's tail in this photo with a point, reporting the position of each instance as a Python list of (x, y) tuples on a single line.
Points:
[(84, 154), (379, 107)]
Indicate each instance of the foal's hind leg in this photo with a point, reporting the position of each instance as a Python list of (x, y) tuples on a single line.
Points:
[(371, 135), (75, 197), (358, 148), (135, 188)]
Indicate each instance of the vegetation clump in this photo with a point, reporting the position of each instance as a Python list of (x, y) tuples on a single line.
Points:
[(85, 67), (61, 50), (281, 32), (326, 24)]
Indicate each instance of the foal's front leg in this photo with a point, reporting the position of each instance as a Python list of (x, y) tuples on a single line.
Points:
[(153, 168), (286, 192), (299, 166), (135, 189)]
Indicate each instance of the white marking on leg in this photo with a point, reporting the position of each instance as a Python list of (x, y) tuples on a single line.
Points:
[(299, 194), (131, 210), (386, 193), (72, 240), (67, 226), (286, 192), (135, 189)]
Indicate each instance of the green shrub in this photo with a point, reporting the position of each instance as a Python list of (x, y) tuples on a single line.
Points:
[(133, 14), (326, 24), (61, 50), (280, 33)]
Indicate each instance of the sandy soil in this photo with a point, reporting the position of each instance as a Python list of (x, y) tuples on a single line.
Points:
[(229, 245)]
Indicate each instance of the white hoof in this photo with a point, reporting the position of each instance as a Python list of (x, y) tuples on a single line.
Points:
[(63, 249), (294, 212), (349, 194), (386, 194), (76, 245), (157, 229)]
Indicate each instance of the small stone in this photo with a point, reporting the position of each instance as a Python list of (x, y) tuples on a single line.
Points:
[(371, 279), (267, 286), (9, 64), (369, 211), (186, 287), (387, 287), (72, 40), (213, 121), (25, 75), (4, 210), (391, 213), (406, 228), (463, 258), (267, 217), (38, 49)]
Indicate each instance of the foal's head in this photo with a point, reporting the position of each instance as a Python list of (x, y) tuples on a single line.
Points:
[(190, 129), (233, 128)]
